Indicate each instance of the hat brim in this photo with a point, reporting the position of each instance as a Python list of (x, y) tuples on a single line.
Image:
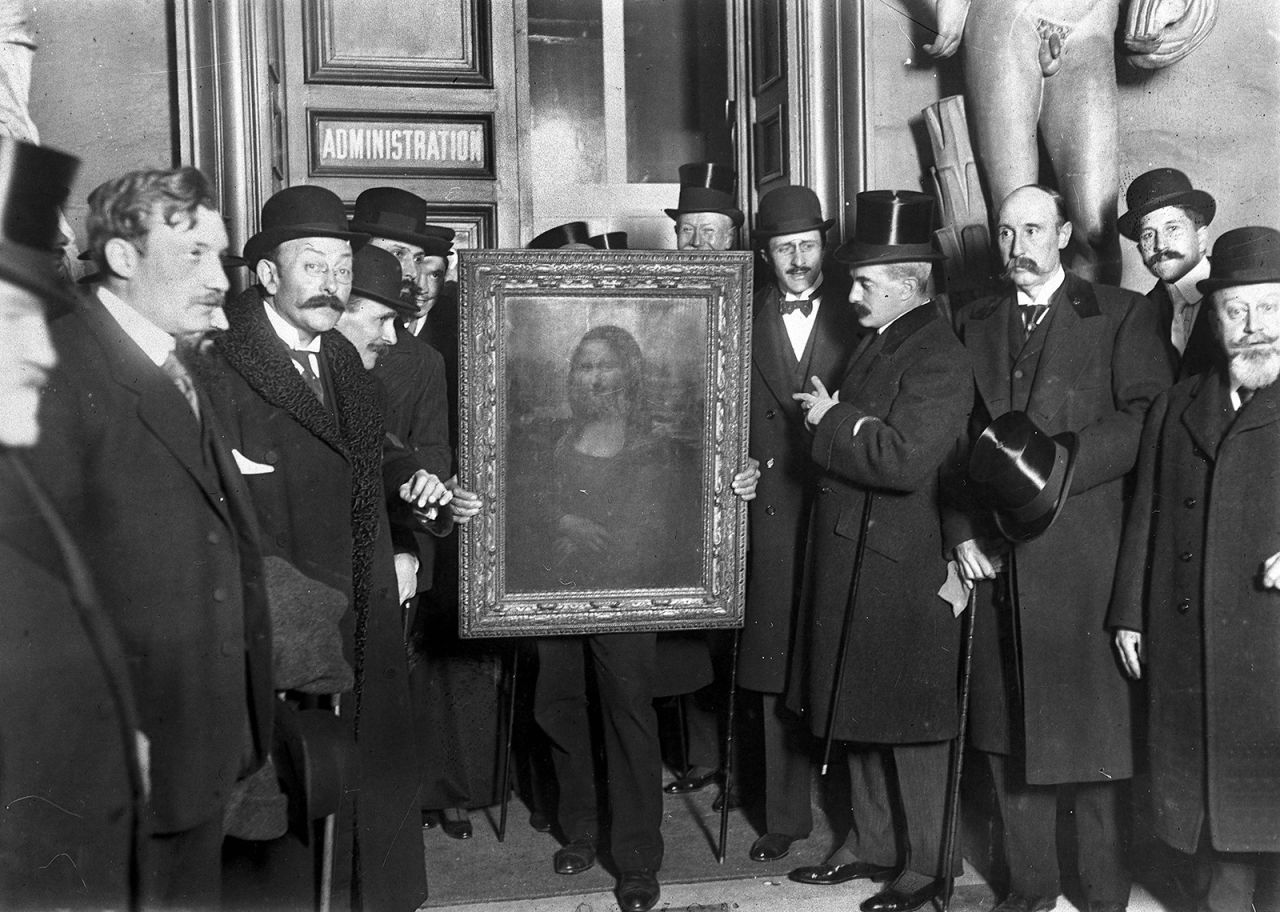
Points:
[(1128, 224), (264, 242), (854, 253), (1246, 277), (734, 214), (36, 271), (763, 234), (398, 304), (430, 244), (1034, 520)]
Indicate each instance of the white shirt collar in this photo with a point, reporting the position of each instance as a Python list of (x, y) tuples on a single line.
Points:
[(807, 293), (1184, 290), (287, 332), (1046, 290), (155, 343)]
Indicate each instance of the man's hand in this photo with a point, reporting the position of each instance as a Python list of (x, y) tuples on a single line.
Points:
[(951, 18), (979, 560), (744, 483), (425, 491), (817, 403), (1271, 572), (406, 575), (466, 504), (1129, 645)]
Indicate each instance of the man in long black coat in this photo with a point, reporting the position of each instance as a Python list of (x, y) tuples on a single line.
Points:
[(802, 327), (1197, 601), (879, 443), (1049, 705), (131, 456), (71, 785)]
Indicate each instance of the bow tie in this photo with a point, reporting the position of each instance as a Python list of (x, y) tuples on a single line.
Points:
[(804, 305)]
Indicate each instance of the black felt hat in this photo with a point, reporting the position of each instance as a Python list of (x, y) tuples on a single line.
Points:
[(1243, 256), (1157, 189), (708, 187), (890, 226), (610, 240), (789, 210), (1023, 475), (34, 183), (398, 215), (560, 236), (300, 212), (376, 275)]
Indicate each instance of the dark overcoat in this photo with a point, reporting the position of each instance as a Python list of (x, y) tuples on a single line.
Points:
[(165, 523), (1206, 515), (778, 518), (70, 789), (1058, 692), (1203, 350), (914, 386), (322, 509)]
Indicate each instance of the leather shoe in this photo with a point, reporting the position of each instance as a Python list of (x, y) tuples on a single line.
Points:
[(891, 899), (828, 875), (771, 847), (1016, 902), (458, 829), (735, 801), (575, 857), (686, 784), (638, 891), (540, 821)]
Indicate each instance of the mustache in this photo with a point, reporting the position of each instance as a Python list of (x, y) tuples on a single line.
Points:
[(1020, 262), (410, 290), (320, 301), (1163, 255)]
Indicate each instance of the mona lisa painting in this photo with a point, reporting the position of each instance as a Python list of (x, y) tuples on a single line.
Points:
[(603, 416)]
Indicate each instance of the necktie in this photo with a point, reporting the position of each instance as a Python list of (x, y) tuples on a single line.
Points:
[(1031, 314), (1187, 315), (1245, 393), (177, 372), (804, 305), (303, 360)]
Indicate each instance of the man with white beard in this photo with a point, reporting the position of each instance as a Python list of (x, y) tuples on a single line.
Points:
[(1196, 611)]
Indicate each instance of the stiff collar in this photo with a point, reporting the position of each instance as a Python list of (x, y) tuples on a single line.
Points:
[(805, 295), (1046, 292), (1184, 290), (155, 343), (287, 332)]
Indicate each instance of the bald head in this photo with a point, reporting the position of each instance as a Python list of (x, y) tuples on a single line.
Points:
[(1032, 232)]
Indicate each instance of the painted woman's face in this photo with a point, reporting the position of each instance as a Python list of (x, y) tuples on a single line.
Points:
[(598, 382)]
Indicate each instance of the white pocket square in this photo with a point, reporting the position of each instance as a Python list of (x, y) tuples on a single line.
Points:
[(248, 467)]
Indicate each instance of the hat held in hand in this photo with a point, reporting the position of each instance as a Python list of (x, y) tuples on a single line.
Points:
[(1023, 475)]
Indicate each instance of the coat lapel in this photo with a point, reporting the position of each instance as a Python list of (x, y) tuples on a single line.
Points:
[(986, 335), (834, 338), (1073, 339), (1209, 414), (1261, 410), (775, 362)]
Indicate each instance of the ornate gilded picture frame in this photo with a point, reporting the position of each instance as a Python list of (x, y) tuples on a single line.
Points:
[(603, 408)]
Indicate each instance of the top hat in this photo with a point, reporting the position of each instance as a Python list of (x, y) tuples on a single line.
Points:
[(1243, 256), (1023, 474), (376, 275), (890, 226), (1157, 189), (304, 211), (561, 236), (398, 215), (34, 183), (708, 187), (610, 240), (315, 756), (789, 210)]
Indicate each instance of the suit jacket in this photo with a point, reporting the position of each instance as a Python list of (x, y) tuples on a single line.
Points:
[(70, 787), (913, 384), (778, 518), (1206, 514), (168, 532), (1203, 350), (322, 508), (1058, 693)]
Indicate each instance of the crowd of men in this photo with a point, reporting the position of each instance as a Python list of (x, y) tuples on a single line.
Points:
[(221, 518)]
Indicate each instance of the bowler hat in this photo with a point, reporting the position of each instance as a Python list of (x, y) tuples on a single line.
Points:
[(1243, 256), (560, 236), (376, 275), (304, 211), (398, 215), (890, 226), (789, 210), (610, 240), (1157, 189), (708, 187), (34, 183), (1022, 474)]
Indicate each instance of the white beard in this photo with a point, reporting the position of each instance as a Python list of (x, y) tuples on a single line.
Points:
[(1255, 368)]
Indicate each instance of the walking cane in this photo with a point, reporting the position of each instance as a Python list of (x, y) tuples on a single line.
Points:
[(846, 632), (728, 749), (511, 727), (952, 815)]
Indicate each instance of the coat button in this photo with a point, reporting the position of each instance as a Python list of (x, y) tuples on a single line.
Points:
[(1017, 375), (1185, 556), (220, 594), (769, 510), (213, 538), (270, 457), (281, 540), (1184, 606), (770, 413), (1189, 502)]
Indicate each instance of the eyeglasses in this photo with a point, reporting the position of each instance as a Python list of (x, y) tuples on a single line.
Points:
[(341, 274)]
